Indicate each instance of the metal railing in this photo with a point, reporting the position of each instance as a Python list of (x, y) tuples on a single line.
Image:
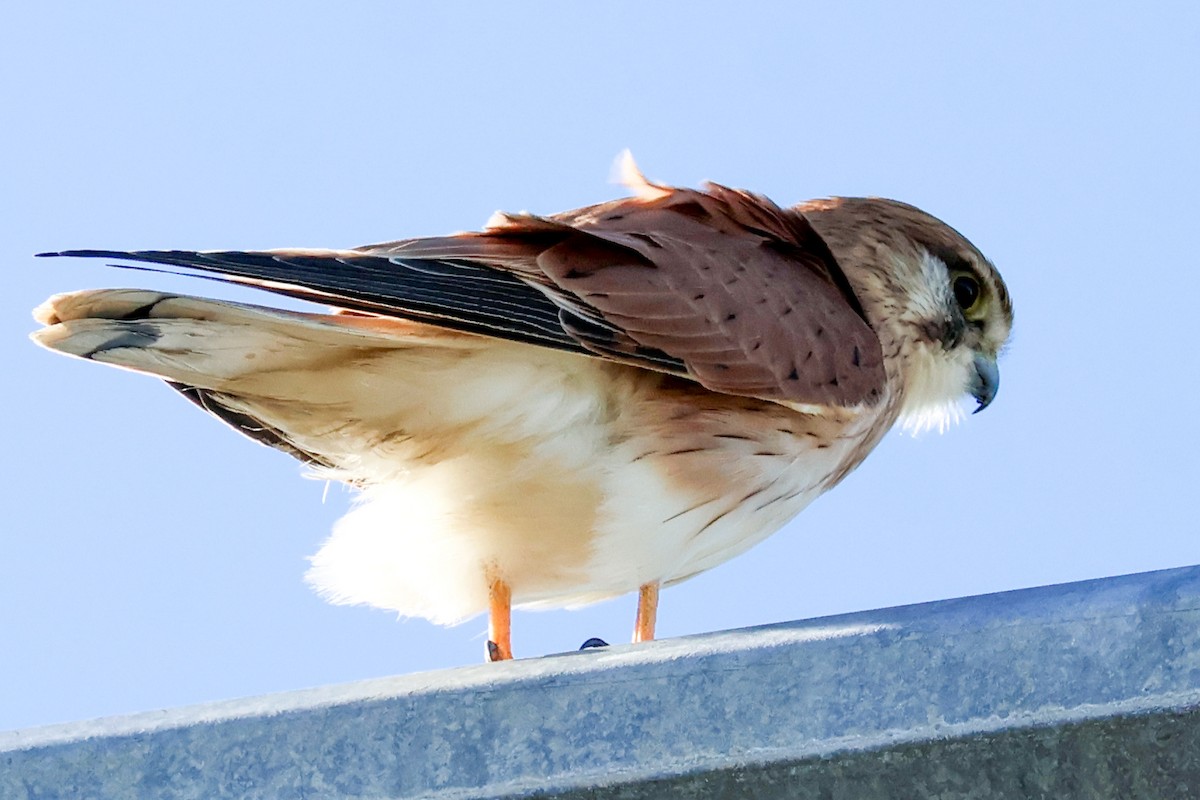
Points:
[(1087, 689)]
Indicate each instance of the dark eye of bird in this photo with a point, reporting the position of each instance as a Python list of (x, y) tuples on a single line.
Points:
[(966, 291)]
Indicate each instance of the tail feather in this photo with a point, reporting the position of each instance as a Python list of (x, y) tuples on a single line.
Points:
[(219, 355), (364, 395), (195, 340)]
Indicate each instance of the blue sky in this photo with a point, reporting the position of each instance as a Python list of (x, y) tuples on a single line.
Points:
[(152, 558)]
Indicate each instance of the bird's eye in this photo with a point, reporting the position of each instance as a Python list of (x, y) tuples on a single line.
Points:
[(968, 294)]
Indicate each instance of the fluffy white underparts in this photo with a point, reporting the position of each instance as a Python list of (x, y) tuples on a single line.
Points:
[(573, 478)]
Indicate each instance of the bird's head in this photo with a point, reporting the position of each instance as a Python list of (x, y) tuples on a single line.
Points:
[(936, 303)]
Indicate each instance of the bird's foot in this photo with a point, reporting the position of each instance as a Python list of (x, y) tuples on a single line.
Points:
[(497, 653), (499, 641)]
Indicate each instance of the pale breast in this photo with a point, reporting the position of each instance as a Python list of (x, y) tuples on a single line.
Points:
[(575, 479), (695, 478)]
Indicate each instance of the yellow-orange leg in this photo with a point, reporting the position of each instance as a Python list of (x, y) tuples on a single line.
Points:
[(499, 646), (647, 613)]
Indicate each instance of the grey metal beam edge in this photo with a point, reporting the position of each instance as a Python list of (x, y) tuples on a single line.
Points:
[(1086, 689)]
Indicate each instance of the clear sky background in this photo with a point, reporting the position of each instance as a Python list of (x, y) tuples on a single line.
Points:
[(150, 557)]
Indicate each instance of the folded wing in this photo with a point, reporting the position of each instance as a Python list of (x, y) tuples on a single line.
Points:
[(719, 286)]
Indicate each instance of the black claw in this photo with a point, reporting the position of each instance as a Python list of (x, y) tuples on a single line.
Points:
[(593, 642), (493, 651)]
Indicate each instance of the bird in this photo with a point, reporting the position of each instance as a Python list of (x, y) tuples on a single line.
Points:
[(556, 410)]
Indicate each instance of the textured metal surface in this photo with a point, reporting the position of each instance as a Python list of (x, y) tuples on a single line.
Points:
[(1080, 690)]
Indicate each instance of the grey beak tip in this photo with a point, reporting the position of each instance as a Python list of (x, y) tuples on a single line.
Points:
[(986, 383)]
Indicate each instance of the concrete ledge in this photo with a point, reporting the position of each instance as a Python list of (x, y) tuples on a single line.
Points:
[(1081, 690)]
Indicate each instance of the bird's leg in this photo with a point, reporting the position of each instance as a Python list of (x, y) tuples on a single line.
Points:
[(499, 646), (647, 613)]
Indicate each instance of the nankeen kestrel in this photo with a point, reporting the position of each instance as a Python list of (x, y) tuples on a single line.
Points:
[(557, 410)]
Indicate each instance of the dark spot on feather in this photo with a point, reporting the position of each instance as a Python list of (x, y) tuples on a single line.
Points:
[(793, 375), (735, 436), (647, 239), (730, 317), (687, 510), (834, 382), (856, 357), (143, 312), (691, 209), (936, 330), (699, 296), (713, 521), (823, 446), (614, 217), (133, 335), (757, 491)]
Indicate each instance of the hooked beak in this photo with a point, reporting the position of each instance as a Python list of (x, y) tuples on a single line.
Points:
[(986, 382)]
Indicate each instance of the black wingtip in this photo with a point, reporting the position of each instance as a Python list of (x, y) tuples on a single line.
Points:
[(80, 254)]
